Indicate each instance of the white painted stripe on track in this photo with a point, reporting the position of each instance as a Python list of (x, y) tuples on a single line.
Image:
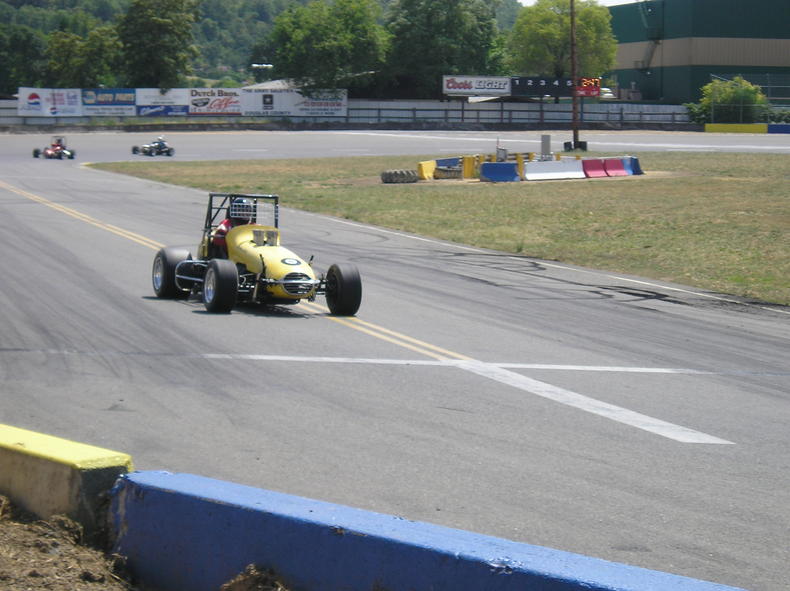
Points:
[(590, 405), (499, 374)]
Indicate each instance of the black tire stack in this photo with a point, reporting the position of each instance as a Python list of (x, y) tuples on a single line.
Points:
[(399, 176)]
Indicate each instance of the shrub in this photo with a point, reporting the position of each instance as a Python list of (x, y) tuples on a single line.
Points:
[(730, 101)]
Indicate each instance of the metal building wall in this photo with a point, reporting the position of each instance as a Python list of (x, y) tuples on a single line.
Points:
[(668, 49)]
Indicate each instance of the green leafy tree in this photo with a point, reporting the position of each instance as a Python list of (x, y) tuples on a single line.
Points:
[(540, 42), (326, 45), (21, 61), (432, 38), (74, 62), (157, 42), (730, 101), (506, 13)]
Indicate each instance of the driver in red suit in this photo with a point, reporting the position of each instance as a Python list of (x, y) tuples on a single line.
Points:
[(242, 211)]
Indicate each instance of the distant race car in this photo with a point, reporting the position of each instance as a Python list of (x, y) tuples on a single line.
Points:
[(56, 149), (245, 263), (158, 147)]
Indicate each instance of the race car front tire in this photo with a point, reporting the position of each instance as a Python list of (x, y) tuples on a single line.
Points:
[(163, 272), (36, 152), (343, 290), (220, 286), (135, 149)]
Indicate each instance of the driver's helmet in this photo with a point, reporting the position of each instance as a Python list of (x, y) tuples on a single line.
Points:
[(242, 208), (161, 139)]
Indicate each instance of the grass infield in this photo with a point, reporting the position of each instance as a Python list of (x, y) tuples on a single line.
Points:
[(719, 222)]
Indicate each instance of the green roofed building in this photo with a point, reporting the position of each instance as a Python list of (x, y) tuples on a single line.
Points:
[(669, 49)]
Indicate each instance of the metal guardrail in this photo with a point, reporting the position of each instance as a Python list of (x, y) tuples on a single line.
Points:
[(616, 114), (534, 114)]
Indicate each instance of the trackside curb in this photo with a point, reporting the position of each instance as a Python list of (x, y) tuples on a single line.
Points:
[(48, 475), (182, 531)]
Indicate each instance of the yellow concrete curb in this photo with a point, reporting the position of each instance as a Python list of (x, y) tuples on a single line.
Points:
[(48, 476)]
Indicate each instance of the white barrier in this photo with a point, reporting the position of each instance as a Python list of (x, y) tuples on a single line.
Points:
[(568, 168)]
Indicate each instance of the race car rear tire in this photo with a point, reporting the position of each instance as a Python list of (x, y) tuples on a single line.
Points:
[(36, 152), (163, 272), (72, 153), (220, 286), (343, 290), (135, 149)]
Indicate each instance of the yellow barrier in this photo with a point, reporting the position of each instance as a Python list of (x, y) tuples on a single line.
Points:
[(520, 165), (469, 167), (426, 169), (736, 127), (48, 476)]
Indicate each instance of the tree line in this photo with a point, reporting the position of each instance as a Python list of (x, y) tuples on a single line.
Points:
[(375, 48)]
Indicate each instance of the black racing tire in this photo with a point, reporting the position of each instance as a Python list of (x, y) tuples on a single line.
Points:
[(60, 156), (36, 152), (399, 176), (72, 154), (135, 149), (163, 272), (170, 151), (220, 286), (343, 290)]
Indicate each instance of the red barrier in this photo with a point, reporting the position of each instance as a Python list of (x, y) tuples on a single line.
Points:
[(593, 167), (614, 167)]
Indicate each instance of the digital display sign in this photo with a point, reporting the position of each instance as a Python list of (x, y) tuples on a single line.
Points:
[(541, 86)]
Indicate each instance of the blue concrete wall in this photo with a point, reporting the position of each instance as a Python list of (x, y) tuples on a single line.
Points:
[(181, 531)]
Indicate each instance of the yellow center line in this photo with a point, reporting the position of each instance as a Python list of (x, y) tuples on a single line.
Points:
[(391, 336), (362, 326), (83, 217)]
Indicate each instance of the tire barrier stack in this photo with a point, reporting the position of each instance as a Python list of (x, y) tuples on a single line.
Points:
[(183, 531), (497, 168), (399, 176)]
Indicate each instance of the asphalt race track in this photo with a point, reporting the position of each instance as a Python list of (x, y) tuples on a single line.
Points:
[(612, 416)]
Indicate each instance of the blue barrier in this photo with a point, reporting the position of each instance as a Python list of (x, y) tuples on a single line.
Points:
[(635, 167), (181, 531), (499, 172), (448, 162), (779, 128)]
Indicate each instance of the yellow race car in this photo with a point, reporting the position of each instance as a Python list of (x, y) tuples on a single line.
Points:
[(241, 260)]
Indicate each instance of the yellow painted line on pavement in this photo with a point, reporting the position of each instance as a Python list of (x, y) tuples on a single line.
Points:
[(83, 217), (390, 336)]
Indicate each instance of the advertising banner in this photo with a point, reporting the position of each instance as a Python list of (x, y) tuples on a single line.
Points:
[(49, 102), (151, 102), (476, 85), (288, 102), (215, 101), (111, 102)]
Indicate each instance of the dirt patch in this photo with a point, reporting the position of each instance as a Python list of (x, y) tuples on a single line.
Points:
[(37, 554), (254, 579)]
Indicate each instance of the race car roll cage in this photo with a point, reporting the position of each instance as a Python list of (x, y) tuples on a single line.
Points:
[(218, 209)]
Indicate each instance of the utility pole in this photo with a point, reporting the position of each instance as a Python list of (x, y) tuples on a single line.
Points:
[(574, 78)]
